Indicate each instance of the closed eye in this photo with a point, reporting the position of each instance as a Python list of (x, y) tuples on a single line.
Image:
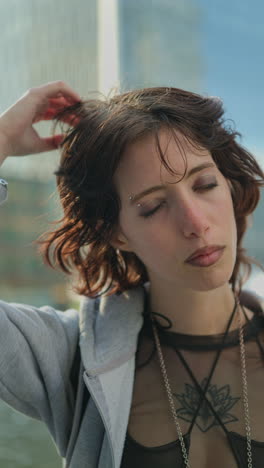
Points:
[(201, 188)]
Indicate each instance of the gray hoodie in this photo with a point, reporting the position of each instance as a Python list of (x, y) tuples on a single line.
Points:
[(37, 350)]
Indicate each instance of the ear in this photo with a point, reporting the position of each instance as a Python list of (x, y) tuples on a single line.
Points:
[(120, 241)]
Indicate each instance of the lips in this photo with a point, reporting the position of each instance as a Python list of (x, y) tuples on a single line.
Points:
[(204, 251)]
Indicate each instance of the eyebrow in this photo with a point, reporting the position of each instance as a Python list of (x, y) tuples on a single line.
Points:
[(155, 188)]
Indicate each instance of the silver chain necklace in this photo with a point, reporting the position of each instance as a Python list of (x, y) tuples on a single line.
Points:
[(244, 385)]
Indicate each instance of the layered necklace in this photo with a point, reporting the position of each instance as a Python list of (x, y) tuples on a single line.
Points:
[(244, 385)]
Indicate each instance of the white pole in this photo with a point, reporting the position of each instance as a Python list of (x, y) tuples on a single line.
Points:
[(108, 48)]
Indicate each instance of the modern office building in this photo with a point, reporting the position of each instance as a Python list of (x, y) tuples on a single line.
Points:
[(160, 44)]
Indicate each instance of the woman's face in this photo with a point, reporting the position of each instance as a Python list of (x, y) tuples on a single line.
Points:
[(188, 215)]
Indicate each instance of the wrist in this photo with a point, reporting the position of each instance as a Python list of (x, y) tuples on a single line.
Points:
[(3, 191), (3, 147)]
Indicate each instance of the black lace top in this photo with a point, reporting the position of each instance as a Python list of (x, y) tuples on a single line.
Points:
[(206, 407)]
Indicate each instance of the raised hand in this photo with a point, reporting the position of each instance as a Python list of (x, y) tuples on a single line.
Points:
[(17, 134)]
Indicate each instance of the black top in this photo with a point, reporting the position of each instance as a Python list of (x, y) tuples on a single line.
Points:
[(170, 455)]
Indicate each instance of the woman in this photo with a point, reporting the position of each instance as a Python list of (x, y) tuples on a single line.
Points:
[(156, 193)]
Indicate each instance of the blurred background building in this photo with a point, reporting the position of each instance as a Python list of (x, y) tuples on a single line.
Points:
[(151, 55), (215, 48)]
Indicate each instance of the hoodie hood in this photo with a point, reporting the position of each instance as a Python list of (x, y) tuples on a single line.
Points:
[(109, 329)]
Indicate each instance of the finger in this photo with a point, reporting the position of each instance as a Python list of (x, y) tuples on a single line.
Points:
[(70, 119), (52, 109), (60, 95), (59, 102), (55, 140), (51, 114), (50, 143), (57, 89)]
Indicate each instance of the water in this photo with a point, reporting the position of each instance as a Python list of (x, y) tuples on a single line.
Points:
[(26, 443)]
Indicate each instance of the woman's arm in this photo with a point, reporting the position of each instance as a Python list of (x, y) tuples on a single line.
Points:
[(37, 345), (3, 145), (37, 349)]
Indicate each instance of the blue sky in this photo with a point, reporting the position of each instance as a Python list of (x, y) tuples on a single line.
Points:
[(233, 44)]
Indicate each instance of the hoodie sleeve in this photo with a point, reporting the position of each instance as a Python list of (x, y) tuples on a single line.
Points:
[(37, 348)]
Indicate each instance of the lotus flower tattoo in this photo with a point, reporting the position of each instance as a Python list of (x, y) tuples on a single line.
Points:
[(220, 399)]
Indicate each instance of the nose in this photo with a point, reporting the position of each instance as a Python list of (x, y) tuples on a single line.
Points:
[(192, 219)]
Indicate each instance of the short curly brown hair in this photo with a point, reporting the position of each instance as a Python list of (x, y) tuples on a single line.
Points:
[(91, 151)]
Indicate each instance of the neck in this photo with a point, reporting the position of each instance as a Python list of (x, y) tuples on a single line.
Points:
[(195, 312)]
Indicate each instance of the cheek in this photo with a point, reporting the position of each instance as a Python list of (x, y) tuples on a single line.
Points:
[(145, 238), (226, 217), (225, 208), (224, 203)]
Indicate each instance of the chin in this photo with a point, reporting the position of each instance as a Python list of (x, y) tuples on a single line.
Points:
[(212, 279), (214, 276)]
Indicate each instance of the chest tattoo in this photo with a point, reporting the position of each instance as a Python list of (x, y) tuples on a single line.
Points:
[(220, 399)]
